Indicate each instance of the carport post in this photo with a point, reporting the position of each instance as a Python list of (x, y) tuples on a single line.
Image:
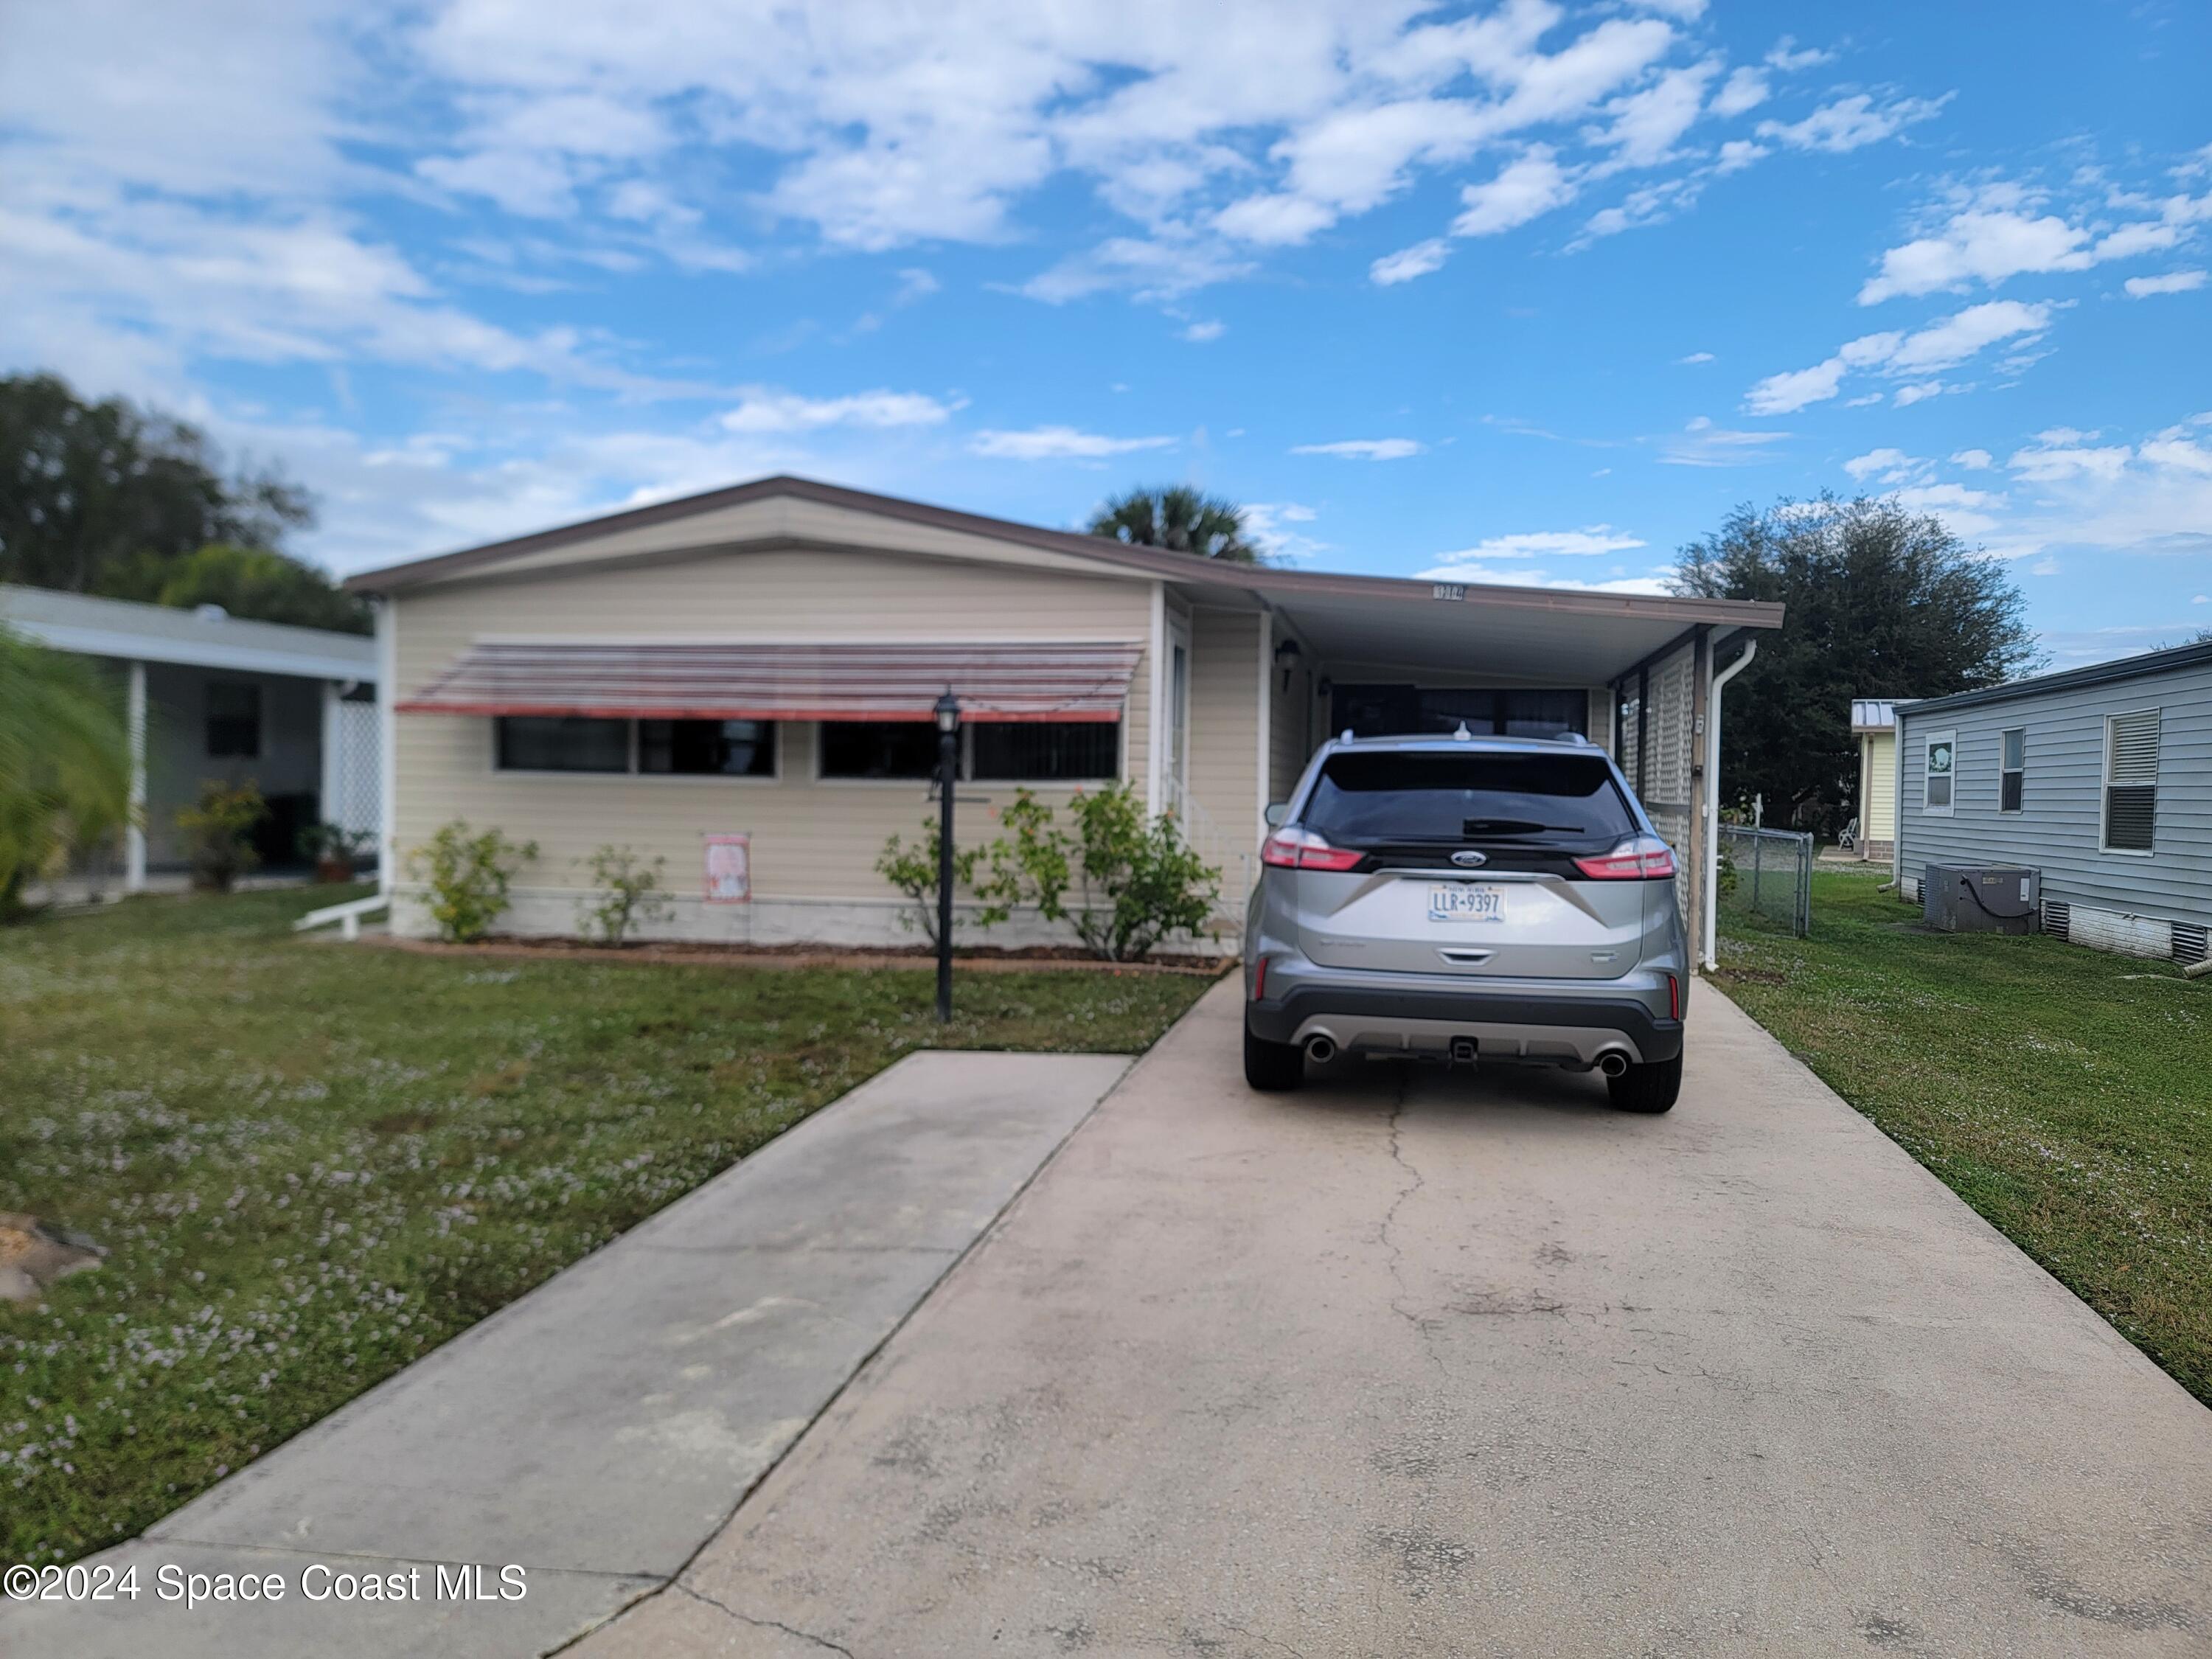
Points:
[(948, 780)]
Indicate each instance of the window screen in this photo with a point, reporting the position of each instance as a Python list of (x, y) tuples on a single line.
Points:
[(878, 749), (1027, 751), (729, 748), (2131, 781), (544, 742), (2012, 768), (233, 719)]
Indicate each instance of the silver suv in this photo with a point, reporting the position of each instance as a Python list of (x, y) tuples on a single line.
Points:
[(1467, 899)]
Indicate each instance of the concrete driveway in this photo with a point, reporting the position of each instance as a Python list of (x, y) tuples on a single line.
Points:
[(1417, 1364)]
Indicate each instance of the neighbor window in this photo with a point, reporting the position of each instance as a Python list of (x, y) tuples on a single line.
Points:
[(878, 749), (1044, 751), (233, 719), (562, 743), (730, 748), (2131, 781), (1937, 754), (2012, 768)]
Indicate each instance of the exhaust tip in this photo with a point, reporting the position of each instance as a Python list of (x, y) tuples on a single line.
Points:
[(1613, 1063), (1320, 1049)]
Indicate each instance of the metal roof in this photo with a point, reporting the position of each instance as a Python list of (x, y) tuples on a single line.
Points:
[(133, 632), (873, 680), (2101, 673), (1873, 715)]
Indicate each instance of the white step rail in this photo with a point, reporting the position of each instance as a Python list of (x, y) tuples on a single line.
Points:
[(347, 915)]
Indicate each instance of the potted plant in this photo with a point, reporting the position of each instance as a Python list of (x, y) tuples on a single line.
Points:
[(333, 850), (217, 829)]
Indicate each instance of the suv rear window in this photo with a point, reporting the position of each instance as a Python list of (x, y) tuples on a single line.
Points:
[(1378, 800)]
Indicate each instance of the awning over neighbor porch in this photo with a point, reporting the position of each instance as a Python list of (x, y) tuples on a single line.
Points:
[(848, 681)]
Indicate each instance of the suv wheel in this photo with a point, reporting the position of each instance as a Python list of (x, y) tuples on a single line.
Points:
[(1273, 1067), (1647, 1088)]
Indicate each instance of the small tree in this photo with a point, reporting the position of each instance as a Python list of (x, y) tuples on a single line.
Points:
[(1028, 865), (1140, 882), (64, 762), (629, 892), (912, 870), (216, 828), (468, 875)]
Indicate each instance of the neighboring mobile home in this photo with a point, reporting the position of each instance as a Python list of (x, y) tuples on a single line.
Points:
[(2099, 777), (761, 662), (214, 698), (1874, 723)]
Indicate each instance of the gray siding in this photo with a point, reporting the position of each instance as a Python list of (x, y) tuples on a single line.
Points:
[(2060, 824)]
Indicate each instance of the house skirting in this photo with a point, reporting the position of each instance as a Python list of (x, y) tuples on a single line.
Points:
[(551, 913), (2101, 929)]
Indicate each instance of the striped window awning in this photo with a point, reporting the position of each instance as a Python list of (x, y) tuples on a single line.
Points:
[(856, 681)]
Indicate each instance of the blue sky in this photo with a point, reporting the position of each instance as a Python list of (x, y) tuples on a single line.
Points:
[(1526, 291)]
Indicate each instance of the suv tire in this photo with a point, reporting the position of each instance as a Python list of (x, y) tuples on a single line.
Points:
[(1647, 1088), (1273, 1067)]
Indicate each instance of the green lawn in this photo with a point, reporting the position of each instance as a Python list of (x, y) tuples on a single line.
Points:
[(2066, 1094), (314, 1163)]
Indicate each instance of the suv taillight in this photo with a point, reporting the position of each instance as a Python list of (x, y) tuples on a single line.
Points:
[(1293, 848), (1640, 858)]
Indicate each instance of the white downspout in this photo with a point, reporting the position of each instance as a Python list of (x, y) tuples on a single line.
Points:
[(1711, 885), (388, 745)]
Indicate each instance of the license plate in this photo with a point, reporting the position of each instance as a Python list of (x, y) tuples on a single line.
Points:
[(1453, 901)]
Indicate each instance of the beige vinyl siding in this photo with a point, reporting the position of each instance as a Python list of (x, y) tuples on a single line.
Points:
[(1225, 747), (1292, 717), (1878, 814), (811, 839)]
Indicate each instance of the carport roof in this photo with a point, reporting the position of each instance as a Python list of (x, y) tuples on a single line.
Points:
[(1539, 632)]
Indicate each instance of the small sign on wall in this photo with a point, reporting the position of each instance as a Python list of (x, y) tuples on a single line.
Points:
[(729, 869)]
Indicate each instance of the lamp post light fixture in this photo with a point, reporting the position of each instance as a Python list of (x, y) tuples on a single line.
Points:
[(948, 780)]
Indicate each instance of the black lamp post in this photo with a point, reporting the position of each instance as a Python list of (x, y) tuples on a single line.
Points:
[(948, 780)]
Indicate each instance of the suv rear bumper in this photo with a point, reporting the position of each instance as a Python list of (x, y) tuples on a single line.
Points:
[(1514, 1025)]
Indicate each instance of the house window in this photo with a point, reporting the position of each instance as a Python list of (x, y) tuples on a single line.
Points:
[(1938, 752), (878, 749), (233, 719), (2012, 768), (729, 748), (1044, 751), (542, 743), (2131, 781)]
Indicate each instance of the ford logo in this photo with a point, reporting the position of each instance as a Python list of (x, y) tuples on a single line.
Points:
[(1469, 859)]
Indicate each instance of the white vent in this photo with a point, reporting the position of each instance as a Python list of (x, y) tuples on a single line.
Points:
[(2058, 918), (2191, 943)]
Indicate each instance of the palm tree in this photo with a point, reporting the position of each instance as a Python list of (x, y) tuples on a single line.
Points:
[(1177, 518), (64, 762)]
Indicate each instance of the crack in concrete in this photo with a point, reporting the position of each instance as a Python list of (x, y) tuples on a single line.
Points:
[(1396, 1257), (1251, 1635), (806, 1636)]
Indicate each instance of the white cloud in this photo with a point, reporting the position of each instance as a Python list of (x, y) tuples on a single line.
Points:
[(1696, 357), (2173, 281), (1703, 444), (1526, 188), (2074, 493), (1595, 540), (1737, 154), (1745, 90), (2063, 453), (1853, 123), (1201, 333), (1648, 124), (764, 409), (1919, 391), (1973, 460), (1886, 463), (1996, 232), (1271, 526), (1277, 220), (1055, 443), (1942, 345), (1363, 449), (1407, 263), (1788, 57)]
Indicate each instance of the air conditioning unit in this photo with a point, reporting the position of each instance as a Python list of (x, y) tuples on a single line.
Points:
[(1980, 898)]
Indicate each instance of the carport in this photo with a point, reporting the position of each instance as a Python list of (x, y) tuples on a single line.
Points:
[(1638, 675)]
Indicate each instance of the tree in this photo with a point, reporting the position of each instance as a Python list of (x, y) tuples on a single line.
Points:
[(100, 497), (1179, 519), (64, 762), (246, 581), (1882, 602)]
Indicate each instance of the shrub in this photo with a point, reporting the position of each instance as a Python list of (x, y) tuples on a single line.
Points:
[(629, 892), (1028, 865), (912, 870), (215, 828), (64, 762), (1140, 882), (468, 875)]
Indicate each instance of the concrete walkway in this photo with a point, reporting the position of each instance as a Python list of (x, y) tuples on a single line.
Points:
[(597, 1431), (1422, 1365)]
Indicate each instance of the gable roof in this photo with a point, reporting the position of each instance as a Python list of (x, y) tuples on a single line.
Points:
[(1251, 585)]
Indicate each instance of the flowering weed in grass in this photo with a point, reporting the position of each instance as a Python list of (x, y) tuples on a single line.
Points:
[(314, 1163), (2061, 1091)]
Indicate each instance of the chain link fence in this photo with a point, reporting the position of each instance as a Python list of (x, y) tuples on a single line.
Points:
[(1767, 872)]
